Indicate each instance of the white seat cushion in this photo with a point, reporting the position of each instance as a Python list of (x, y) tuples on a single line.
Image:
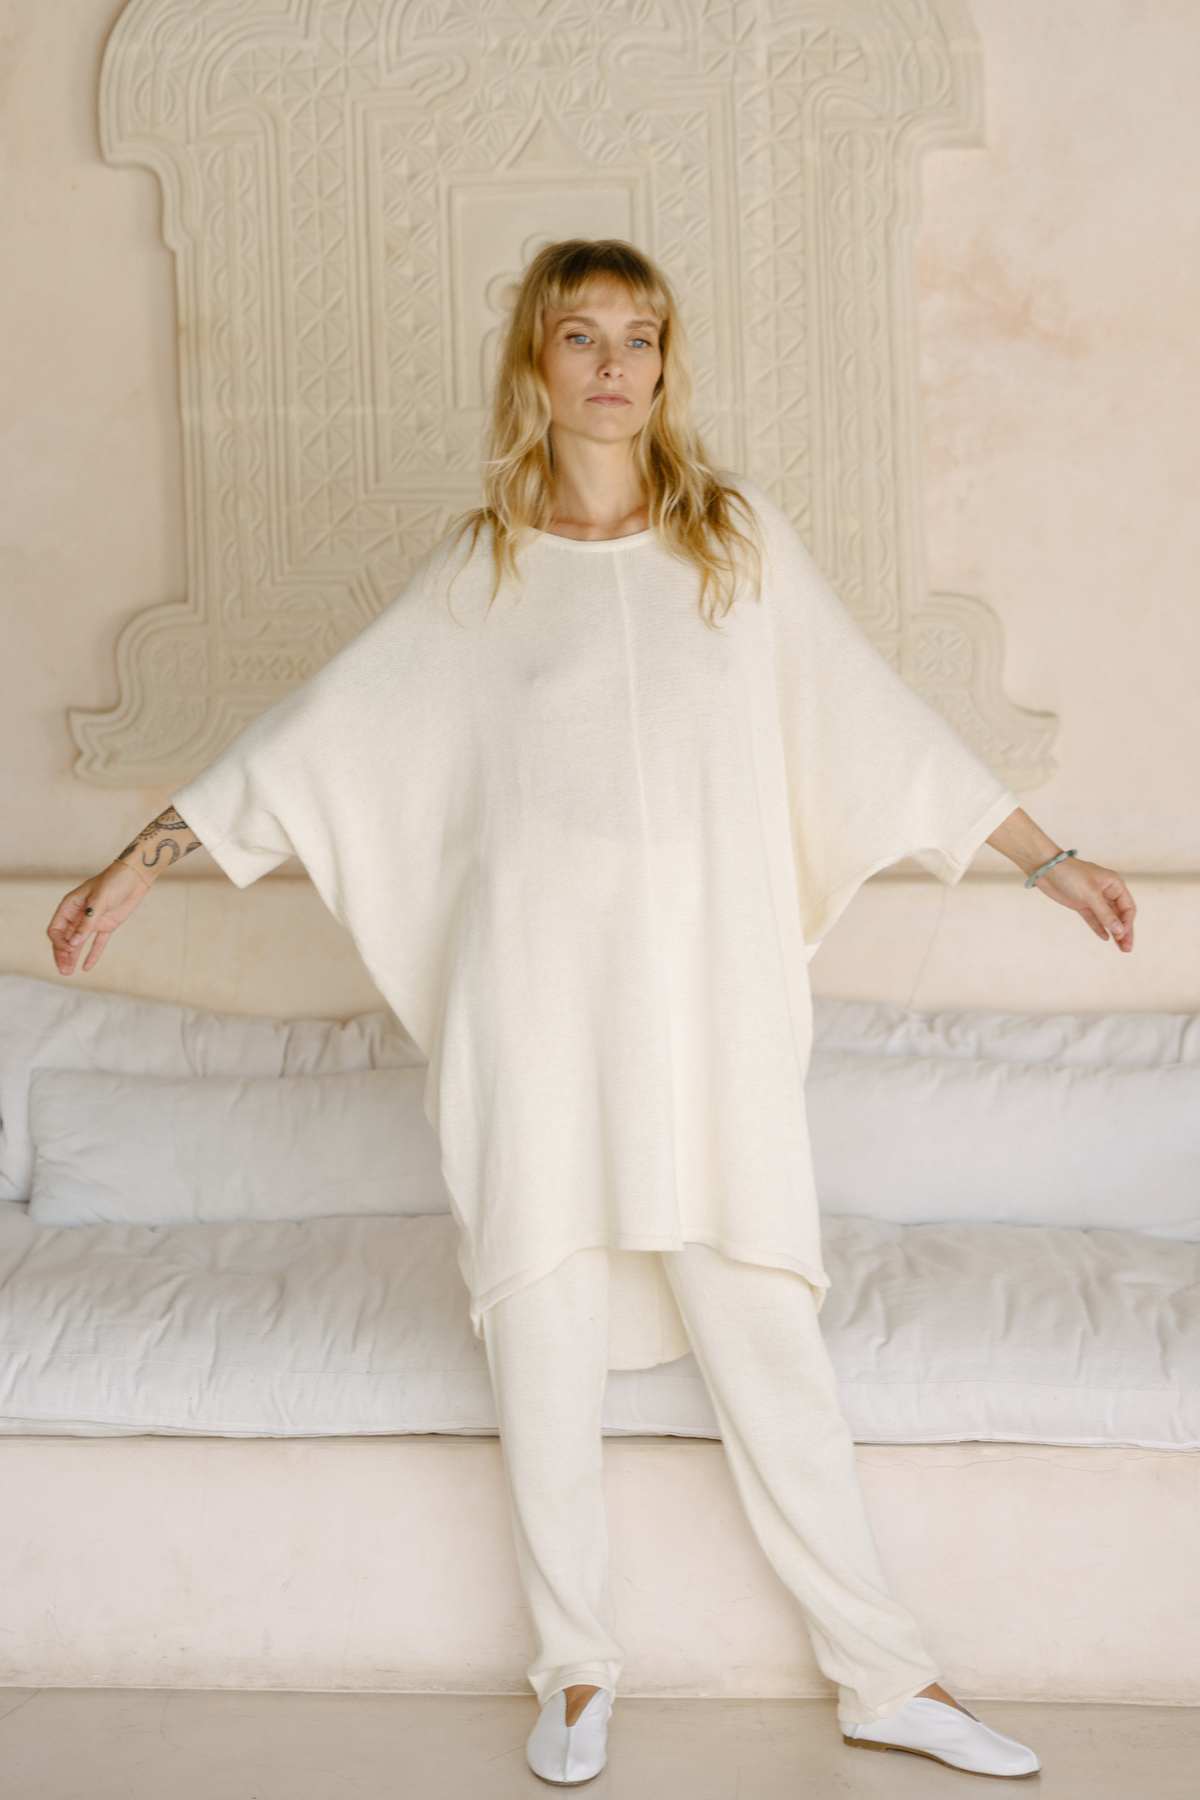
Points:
[(359, 1325)]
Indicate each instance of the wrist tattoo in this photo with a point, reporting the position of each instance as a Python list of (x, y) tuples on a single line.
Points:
[(162, 843)]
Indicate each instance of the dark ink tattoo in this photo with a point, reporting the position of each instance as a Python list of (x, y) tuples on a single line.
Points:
[(158, 842)]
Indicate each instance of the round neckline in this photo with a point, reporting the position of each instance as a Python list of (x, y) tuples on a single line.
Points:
[(617, 543)]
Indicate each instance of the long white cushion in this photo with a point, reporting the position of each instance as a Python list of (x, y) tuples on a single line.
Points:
[(1130, 1039), (161, 1149), (349, 1326), (911, 1138), (49, 1025)]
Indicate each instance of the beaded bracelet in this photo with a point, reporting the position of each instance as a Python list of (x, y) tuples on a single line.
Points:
[(1038, 873)]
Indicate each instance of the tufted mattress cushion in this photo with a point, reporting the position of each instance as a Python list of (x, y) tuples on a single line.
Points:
[(359, 1325)]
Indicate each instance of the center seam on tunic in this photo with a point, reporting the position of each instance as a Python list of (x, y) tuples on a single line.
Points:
[(656, 921)]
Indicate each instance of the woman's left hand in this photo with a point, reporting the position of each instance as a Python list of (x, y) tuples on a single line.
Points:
[(1097, 893)]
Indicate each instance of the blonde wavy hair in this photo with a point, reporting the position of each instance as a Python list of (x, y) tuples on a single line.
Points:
[(690, 508)]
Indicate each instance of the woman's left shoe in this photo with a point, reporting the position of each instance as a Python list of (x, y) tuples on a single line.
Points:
[(570, 1754), (948, 1734)]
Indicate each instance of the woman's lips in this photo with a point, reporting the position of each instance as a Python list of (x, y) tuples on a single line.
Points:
[(607, 400)]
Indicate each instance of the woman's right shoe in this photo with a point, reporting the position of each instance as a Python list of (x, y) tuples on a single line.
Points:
[(570, 1754)]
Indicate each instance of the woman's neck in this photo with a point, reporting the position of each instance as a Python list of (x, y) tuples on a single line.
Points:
[(635, 520)]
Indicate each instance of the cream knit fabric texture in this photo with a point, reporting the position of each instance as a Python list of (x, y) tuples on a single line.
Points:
[(586, 845)]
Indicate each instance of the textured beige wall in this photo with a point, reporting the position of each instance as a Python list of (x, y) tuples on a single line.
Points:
[(1057, 275)]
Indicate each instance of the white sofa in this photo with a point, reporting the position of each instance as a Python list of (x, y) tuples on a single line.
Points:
[(235, 1449)]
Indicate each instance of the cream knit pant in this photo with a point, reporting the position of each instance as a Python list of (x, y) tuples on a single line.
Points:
[(759, 1347)]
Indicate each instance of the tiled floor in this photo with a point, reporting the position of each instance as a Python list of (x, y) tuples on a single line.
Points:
[(158, 1744)]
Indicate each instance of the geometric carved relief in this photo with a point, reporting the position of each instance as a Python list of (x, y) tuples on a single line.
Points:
[(350, 188), (954, 656)]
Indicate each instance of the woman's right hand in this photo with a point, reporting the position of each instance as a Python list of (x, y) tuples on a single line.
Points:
[(112, 895)]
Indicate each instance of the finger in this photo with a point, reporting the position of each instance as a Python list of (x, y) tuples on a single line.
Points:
[(1119, 928), (84, 926), (1104, 897), (1093, 922), (68, 945), (1124, 903), (74, 930), (62, 941), (66, 956), (68, 911), (1116, 899), (97, 950)]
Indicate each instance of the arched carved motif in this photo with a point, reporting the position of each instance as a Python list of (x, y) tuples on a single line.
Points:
[(348, 190)]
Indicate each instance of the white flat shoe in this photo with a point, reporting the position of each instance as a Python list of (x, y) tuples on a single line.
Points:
[(929, 1727), (570, 1754)]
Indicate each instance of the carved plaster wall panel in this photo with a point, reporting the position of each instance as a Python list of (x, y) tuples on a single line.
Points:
[(351, 187)]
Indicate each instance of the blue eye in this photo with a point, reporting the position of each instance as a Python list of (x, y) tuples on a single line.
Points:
[(580, 334)]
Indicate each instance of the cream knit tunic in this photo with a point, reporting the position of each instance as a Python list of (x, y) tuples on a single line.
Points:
[(586, 845)]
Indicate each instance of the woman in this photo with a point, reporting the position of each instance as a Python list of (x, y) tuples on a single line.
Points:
[(586, 842)]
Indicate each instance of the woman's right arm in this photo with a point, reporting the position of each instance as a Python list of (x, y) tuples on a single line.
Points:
[(106, 900)]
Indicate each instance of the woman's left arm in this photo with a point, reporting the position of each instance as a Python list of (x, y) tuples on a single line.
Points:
[(1097, 893)]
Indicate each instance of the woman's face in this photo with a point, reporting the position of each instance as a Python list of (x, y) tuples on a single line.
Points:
[(603, 345)]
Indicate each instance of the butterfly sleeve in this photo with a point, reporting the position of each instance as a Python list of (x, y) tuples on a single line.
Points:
[(874, 772), (239, 805)]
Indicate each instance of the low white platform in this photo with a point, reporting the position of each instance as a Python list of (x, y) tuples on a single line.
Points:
[(385, 1564)]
